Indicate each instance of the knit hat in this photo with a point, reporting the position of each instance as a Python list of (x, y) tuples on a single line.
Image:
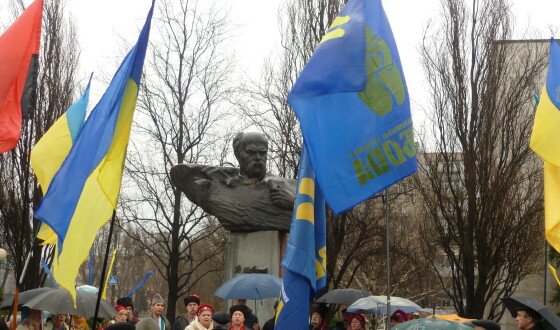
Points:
[(125, 301), (204, 307), (321, 309), (241, 308), (119, 307), (191, 298), (402, 316), (221, 318), (360, 318), (156, 298), (146, 324)]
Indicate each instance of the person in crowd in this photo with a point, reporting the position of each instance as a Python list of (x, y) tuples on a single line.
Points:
[(357, 322), (191, 305), (122, 314), (399, 316), (78, 322), (269, 325), (127, 302), (56, 322), (238, 315), (485, 325), (33, 321), (221, 320), (121, 326), (203, 320), (528, 319), (157, 308), (318, 317), (345, 323), (100, 324), (251, 320)]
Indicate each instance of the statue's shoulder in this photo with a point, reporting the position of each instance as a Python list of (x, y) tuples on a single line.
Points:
[(193, 172)]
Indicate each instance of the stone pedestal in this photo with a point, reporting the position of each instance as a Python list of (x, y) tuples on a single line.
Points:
[(254, 252)]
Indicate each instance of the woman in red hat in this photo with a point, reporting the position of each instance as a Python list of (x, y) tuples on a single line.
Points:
[(357, 322), (203, 319)]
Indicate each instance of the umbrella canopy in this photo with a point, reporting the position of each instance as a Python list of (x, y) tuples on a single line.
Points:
[(377, 305), (452, 317), (250, 286), (432, 324), (342, 296), (59, 301), (431, 311), (24, 297), (550, 320)]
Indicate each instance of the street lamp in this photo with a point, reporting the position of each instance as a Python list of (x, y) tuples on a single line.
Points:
[(3, 254)]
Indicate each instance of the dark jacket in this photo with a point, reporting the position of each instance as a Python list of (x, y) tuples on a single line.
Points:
[(269, 325)]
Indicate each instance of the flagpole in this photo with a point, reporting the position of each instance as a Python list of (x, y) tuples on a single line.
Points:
[(102, 282), (25, 215), (545, 267), (386, 202)]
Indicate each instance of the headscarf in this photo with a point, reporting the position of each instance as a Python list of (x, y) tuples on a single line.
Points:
[(204, 307), (360, 318)]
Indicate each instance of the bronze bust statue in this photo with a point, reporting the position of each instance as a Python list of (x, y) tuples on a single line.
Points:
[(244, 198)]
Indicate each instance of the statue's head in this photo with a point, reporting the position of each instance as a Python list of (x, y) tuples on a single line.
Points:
[(251, 150)]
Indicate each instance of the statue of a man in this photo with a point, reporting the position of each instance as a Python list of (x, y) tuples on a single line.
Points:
[(244, 198)]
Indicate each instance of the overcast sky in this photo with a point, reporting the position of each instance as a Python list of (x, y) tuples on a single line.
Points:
[(255, 26)]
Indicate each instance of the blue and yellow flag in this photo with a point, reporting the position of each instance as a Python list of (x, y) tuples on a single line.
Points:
[(353, 106), (84, 192), (50, 151), (306, 253), (545, 142)]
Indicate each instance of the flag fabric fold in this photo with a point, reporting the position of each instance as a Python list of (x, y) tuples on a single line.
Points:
[(84, 192), (19, 50), (50, 151), (545, 142), (305, 258), (354, 109), (139, 285)]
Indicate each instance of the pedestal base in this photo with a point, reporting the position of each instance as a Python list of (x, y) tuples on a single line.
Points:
[(254, 252)]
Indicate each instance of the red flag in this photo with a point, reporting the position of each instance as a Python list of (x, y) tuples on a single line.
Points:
[(18, 44)]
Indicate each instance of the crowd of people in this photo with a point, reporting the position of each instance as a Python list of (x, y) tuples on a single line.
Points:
[(199, 316)]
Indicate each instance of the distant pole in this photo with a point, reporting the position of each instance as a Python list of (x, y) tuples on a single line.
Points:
[(545, 268), (102, 282), (386, 202)]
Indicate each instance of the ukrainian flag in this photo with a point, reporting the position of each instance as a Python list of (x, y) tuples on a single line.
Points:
[(545, 142), (305, 258), (353, 107), (84, 192), (48, 154)]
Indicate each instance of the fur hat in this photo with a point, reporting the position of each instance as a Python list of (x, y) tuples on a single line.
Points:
[(125, 301), (146, 324), (240, 308), (221, 318), (121, 326), (119, 307), (191, 298), (156, 298)]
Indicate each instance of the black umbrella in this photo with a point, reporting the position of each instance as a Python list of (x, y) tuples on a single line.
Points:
[(24, 297), (59, 301), (343, 296), (549, 320)]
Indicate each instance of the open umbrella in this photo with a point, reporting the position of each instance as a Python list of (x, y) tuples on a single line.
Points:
[(550, 320), (24, 297), (59, 301), (250, 286), (452, 317), (342, 296), (377, 305), (432, 324)]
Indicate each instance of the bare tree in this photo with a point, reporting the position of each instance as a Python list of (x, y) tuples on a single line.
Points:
[(179, 112), (19, 191), (481, 189)]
